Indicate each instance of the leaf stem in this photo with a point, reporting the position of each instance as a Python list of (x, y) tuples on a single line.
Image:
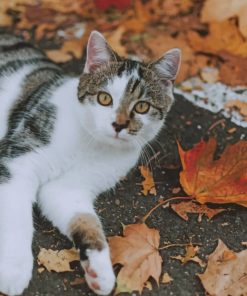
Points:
[(179, 245), (143, 219)]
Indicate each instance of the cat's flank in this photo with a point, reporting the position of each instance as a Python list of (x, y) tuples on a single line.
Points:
[(64, 140)]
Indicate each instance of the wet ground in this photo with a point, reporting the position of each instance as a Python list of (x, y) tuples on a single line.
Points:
[(188, 124)]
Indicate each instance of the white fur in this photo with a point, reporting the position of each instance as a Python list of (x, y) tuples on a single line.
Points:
[(83, 159), (100, 263)]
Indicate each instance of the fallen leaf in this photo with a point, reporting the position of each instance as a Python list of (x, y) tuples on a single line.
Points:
[(114, 39), (41, 269), (222, 37), (185, 207), (238, 106), (148, 285), (216, 181), (148, 184), (71, 48), (58, 261), (233, 70), (190, 255), (174, 7), (137, 252), (105, 4), (215, 10), (166, 279), (231, 130), (176, 190), (210, 74), (228, 255), (225, 277), (77, 281), (137, 23)]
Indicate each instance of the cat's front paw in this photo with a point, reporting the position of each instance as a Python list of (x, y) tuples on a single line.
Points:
[(99, 272), (15, 275)]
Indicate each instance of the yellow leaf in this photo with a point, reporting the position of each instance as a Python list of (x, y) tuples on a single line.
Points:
[(58, 261), (148, 184)]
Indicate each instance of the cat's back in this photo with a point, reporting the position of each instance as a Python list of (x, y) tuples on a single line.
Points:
[(26, 74)]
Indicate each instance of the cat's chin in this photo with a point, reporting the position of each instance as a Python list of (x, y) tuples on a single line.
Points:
[(119, 141)]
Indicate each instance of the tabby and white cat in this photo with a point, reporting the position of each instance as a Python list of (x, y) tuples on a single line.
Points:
[(64, 140)]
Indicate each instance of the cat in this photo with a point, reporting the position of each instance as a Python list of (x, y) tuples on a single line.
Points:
[(64, 140)]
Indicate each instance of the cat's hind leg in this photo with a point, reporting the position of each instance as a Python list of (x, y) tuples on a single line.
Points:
[(70, 208)]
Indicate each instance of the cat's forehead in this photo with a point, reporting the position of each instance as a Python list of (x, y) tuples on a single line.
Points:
[(132, 80), (122, 84)]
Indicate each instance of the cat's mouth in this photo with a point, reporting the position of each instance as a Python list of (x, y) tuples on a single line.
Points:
[(117, 137)]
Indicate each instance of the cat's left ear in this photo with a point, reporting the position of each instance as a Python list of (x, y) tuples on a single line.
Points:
[(167, 67), (99, 52)]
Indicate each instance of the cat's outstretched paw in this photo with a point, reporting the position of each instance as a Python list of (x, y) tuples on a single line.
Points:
[(99, 272), (15, 275)]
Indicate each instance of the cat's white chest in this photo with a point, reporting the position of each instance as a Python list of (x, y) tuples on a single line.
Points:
[(100, 168)]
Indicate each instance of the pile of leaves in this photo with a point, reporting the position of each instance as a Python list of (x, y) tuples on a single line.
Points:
[(211, 33)]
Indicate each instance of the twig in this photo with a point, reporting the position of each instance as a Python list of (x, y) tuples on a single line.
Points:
[(143, 219), (220, 121), (179, 245)]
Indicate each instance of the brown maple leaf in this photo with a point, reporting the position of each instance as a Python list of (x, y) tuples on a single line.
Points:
[(226, 272), (148, 184), (137, 251), (217, 181), (185, 207)]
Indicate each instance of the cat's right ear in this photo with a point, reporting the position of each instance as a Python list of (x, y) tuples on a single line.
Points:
[(167, 67), (98, 52)]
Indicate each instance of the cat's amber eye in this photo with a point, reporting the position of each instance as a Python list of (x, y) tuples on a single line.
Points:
[(104, 99), (142, 107)]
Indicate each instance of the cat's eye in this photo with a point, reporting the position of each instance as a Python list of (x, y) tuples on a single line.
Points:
[(104, 99), (142, 107)]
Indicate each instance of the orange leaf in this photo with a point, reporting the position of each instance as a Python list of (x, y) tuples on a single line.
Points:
[(225, 276), (216, 181), (148, 183), (138, 253), (223, 36), (183, 208)]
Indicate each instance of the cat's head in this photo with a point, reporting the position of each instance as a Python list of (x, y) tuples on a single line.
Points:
[(125, 102)]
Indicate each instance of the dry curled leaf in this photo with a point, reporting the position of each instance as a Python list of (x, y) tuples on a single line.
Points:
[(190, 255), (58, 261), (217, 181), (238, 106), (225, 276), (137, 252), (148, 184), (186, 207), (166, 279)]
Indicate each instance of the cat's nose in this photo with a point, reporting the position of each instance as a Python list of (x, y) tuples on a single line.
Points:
[(120, 126)]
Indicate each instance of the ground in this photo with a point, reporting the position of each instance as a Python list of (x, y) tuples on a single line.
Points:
[(185, 123)]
